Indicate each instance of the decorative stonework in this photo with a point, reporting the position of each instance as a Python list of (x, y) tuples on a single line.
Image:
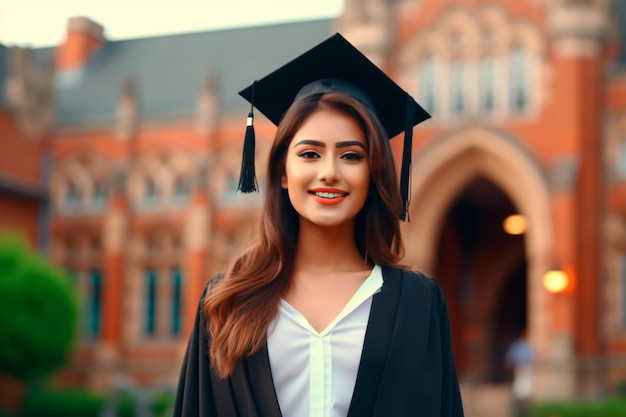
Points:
[(368, 25), (82, 183), (470, 36), (29, 93), (171, 174), (127, 113), (208, 105), (579, 26)]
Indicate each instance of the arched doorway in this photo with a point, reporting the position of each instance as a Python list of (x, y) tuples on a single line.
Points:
[(487, 168), (482, 270)]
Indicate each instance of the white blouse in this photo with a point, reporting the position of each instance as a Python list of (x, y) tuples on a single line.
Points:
[(314, 373)]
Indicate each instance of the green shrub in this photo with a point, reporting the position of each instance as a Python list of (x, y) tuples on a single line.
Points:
[(609, 408), (56, 402), (163, 404), (38, 312)]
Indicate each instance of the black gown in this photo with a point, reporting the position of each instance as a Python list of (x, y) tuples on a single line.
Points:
[(406, 367)]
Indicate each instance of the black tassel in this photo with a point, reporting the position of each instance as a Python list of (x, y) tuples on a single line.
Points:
[(405, 171), (247, 177)]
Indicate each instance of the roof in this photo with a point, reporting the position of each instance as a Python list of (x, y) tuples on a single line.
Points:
[(168, 70), (3, 72), (621, 10)]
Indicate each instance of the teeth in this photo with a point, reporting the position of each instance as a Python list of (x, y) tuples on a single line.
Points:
[(328, 195)]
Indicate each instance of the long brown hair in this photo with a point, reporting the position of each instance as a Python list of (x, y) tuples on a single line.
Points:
[(243, 304)]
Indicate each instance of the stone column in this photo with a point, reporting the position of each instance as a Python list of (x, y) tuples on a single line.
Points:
[(578, 31), (197, 230), (107, 352)]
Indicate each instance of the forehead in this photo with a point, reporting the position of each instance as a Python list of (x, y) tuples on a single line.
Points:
[(329, 124)]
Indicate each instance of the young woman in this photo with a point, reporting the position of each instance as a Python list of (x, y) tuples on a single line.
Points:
[(317, 318)]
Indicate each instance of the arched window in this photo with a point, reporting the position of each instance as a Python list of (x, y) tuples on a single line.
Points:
[(72, 196), (150, 191), (159, 312), (81, 255), (150, 283), (99, 195), (487, 84), (177, 283), (80, 184), (93, 316), (519, 79), (427, 83), (181, 190), (457, 96)]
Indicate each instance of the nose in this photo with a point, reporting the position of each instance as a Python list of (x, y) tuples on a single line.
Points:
[(328, 171)]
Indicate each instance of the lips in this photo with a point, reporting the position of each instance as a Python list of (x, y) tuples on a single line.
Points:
[(328, 196)]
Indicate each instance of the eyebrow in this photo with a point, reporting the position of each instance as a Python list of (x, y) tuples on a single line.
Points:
[(323, 145)]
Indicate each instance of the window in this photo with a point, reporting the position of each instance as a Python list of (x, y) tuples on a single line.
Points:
[(181, 190), (99, 195), (177, 282), (487, 93), (150, 194), (150, 302), (621, 162), (427, 84), (72, 197), (519, 72), (623, 277), (457, 98), (94, 306)]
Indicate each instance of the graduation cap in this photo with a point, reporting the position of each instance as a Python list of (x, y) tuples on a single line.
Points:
[(335, 66)]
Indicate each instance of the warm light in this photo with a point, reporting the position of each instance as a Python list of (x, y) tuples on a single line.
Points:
[(555, 281), (514, 224)]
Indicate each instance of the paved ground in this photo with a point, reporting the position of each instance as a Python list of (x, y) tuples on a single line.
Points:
[(493, 400)]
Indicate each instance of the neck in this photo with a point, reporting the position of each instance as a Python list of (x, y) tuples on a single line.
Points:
[(324, 249)]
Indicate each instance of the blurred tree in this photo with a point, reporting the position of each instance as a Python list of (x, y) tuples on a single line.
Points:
[(38, 316)]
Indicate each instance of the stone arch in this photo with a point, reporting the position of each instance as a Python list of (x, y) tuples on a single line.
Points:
[(164, 168), (224, 175), (90, 173), (440, 173)]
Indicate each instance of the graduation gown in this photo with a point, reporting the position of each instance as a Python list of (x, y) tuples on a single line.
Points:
[(406, 367)]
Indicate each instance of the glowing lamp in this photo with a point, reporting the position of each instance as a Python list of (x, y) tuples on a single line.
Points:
[(514, 224), (555, 281)]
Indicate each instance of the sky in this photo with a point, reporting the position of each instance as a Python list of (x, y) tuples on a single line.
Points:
[(42, 23)]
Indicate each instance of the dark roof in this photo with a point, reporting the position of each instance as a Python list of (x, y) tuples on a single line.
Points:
[(621, 10), (168, 70), (3, 72)]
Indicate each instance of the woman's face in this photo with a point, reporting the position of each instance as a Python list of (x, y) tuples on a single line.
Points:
[(327, 171)]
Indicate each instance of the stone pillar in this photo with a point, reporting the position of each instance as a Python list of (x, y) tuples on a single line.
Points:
[(197, 230), (578, 31), (107, 352), (369, 24)]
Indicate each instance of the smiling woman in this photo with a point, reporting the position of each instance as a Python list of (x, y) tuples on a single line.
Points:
[(327, 179), (317, 318)]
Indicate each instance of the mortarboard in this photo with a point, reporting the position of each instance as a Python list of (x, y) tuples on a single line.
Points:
[(334, 65)]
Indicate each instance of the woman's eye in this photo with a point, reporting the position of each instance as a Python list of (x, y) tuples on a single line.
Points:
[(308, 154), (352, 156)]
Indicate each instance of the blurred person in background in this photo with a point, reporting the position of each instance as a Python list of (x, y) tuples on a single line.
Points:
[(317, 317), (519, 358)]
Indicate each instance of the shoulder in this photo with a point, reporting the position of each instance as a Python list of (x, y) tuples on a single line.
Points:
[(414, 283), (213, 281), (410, 278)]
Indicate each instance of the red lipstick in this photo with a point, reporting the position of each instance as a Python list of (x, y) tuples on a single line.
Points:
[(328, 196)]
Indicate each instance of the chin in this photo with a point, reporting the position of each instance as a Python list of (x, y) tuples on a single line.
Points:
[(330, 221)]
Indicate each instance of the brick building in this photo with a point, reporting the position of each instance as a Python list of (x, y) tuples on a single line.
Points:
[(529, 117)]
